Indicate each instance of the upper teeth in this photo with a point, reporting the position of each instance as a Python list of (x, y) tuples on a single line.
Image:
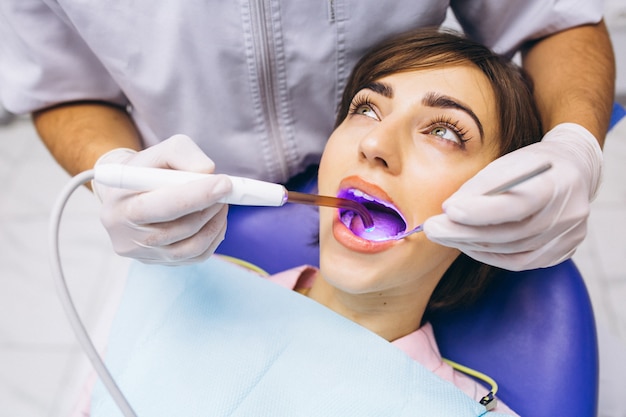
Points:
[(364, 196), (361, 194)]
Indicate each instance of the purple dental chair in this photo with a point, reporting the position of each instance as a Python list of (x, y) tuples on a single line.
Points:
[(533, 332)]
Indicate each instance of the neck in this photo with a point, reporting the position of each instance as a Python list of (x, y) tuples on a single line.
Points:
[(390, 314)]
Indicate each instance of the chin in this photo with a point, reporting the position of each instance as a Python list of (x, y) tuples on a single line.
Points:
[(356, 272)]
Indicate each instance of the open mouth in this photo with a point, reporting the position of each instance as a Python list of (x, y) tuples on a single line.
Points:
[(388, 221)]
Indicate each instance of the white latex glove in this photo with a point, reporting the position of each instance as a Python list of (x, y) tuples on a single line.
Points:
[(536, 224), (172, 225)]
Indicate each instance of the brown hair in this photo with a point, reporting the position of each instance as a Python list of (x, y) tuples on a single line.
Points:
[(517, 117)]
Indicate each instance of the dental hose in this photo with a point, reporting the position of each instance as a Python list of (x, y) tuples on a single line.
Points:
[(245, 191), (66, 300)]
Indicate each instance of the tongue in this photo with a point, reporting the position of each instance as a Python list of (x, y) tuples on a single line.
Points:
[(386, 224)]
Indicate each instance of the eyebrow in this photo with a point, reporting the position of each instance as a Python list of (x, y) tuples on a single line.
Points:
[(447, 102), (383, 89), (431, 99)]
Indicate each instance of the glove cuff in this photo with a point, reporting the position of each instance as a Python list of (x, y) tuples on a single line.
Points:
[(118, 155), (584, 145)]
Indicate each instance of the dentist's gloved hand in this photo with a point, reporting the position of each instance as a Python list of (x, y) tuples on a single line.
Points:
[(171, 225), (536, 224)]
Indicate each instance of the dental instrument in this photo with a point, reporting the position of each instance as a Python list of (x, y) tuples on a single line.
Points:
[(245, 191), (250, 192), (518, 180), (495, 191)]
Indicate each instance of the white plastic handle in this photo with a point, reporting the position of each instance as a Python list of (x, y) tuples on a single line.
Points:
[(245, 192)]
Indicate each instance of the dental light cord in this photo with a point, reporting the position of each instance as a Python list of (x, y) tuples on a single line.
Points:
[(66, 299)]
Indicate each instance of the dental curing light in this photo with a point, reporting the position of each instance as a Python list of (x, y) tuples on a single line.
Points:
[(245, 191)]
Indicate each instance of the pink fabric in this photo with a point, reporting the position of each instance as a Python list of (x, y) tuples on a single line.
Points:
[(419, 345)]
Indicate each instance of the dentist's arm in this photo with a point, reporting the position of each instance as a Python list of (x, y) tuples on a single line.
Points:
[(173, 225), (574, 76), (78, 133), (544, 220)]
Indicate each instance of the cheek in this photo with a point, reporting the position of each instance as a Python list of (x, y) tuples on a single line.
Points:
[(440, 192), (435, 179), (434, 188)]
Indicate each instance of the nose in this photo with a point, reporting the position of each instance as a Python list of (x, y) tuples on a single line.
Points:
[(381, 147)]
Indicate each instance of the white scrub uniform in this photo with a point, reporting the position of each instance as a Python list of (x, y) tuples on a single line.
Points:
[(255, 83)]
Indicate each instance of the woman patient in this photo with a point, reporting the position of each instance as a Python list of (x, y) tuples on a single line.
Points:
[(420, 115)]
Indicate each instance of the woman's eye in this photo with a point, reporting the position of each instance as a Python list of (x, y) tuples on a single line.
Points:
[(366, 110), (446, 133)]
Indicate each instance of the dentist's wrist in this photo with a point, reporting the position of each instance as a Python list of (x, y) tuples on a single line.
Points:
[(583, 145)]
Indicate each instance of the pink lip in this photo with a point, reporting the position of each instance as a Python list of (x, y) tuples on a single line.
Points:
[(344, 235), (367, 187)]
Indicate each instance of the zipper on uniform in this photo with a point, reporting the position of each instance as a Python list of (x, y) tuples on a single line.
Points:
[(265, 58)]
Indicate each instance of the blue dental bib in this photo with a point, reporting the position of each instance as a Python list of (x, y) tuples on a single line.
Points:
[(215, 339)]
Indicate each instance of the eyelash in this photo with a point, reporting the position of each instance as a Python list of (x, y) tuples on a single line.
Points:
[(450, 123), (442, 120), (358, 101)]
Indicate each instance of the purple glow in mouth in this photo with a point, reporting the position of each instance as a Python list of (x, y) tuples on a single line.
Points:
[(388, 222)]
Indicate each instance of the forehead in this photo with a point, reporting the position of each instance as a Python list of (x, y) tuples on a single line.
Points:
[(465, 83)]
